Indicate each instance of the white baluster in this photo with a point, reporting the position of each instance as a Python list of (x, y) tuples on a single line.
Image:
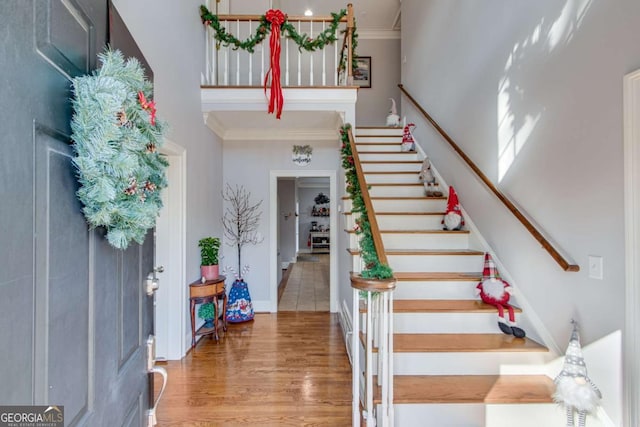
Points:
[(311, 56), (250, 59), (324, 59), (262, 49), (383, 353), (286, 74), (355, 356), (335, 63), (299, 61), (369, 363), (390, 372), (226, 58), (238, 54), (207, 56)]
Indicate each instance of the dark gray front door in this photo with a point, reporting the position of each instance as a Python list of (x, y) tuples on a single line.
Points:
[(73, 314)]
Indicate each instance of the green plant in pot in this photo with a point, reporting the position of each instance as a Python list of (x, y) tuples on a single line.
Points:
[(209, 247), (207, 312)]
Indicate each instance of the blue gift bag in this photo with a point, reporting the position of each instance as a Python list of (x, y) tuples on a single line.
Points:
[(239, 307)]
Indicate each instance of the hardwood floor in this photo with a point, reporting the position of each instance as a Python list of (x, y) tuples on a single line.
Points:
[(286, 369)]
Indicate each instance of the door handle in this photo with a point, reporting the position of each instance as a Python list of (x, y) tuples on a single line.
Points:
[(152, 283), (152, 369)]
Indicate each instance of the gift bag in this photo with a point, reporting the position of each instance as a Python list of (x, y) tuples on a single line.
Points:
[(239, 307)]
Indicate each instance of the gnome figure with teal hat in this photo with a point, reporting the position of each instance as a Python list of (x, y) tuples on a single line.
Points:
[(574, 389)]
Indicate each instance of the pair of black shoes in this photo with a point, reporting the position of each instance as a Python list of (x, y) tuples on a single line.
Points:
[(512, 330)]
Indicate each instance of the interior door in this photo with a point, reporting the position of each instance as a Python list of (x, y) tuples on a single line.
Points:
[(73, 311)]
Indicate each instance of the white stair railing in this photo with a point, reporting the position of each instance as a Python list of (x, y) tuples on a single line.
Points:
[(226, 66)]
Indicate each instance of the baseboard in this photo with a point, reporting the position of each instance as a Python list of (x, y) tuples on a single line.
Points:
[(261, 306), (346, 324)]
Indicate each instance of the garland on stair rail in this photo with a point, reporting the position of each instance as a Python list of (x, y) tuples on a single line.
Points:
[(374, 269)]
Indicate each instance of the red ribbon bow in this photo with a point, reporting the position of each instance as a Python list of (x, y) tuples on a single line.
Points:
[(149, 106), (276, 99)]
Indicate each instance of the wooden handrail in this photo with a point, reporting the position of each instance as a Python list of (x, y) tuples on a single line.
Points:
[(375, 231), (555, 254), (246, 18)]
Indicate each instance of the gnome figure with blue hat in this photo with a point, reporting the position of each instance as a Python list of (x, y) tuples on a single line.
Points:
[(574, 389), (495, 291)]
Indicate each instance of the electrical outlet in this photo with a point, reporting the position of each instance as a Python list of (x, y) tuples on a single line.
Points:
[(595, 267)]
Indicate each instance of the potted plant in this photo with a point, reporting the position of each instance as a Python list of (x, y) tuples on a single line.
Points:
[(207, 312), (209, 247)]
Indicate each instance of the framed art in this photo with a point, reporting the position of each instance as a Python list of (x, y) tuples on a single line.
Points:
[(362, 73)]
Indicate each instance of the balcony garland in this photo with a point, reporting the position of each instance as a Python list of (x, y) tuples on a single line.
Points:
[(374, 269), (274, 22), (116, 137)]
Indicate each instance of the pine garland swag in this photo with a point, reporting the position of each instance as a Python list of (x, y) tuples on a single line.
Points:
[(304, 42), (116, 139), (374, 269)]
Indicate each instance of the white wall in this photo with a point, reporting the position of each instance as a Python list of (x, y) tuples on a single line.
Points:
[(249, 163), (171, 37), (373, 103), (532, 91)]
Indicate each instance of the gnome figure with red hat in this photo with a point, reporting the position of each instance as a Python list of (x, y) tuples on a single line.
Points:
[(453, 219), (495, 291), (408, 143)]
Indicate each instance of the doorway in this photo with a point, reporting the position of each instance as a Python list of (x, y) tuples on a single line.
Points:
[(281, 206), (170, 309)]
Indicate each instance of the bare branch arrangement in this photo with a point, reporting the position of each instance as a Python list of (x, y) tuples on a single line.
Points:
[(241, 219)]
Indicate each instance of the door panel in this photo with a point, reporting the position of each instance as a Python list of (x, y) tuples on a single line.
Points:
[(74, 319)]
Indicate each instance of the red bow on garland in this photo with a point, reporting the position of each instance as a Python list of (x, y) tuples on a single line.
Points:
[(276, 99), (149, 106)]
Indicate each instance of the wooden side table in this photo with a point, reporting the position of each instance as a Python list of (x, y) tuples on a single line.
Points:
[(201, 293)]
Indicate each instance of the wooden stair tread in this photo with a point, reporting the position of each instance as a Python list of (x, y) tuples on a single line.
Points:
[(408, 198), (443, 306), (410, 213), (433, 252), (386, 152), (417, 162), (487, 389), (390, 172), (383, 142), (425, 231), (462, 343), (396, 184), (405, 276)]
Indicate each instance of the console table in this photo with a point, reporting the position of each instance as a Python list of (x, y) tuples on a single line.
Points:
[(201, 293)]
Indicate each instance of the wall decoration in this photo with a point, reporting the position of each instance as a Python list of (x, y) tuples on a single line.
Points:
[(362, 73), (116, 136), (301, 154)]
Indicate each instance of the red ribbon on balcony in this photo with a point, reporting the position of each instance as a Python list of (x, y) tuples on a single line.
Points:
[(276, 99)]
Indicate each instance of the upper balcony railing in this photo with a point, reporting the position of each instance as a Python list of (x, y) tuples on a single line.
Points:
[(330, 63)]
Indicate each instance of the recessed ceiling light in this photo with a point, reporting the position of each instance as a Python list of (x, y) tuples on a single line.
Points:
[(308, 12)]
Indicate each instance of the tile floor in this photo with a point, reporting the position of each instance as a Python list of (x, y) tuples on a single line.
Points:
[(308, 286)]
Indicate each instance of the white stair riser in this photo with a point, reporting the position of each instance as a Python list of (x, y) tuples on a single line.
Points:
[(436, 263), (425, 241), (392, 157), (463, 363), (447, 323), (410, 222), (435, 290), (374, 135), (354, 241), (356, 264), (350, 221), (441, 415), (390, 167), (346, 205), (409, 205), (378, 131), (372, 148), (388, 139), (532, 415), (400, 178), (396, 191)]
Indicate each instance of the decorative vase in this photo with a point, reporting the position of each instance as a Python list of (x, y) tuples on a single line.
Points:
[(208, 323), (210, 272)]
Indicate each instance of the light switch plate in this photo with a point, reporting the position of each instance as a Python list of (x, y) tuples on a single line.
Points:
[(595, 267)]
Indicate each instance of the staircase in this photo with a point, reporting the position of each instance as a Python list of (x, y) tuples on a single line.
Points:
[(452, 366)]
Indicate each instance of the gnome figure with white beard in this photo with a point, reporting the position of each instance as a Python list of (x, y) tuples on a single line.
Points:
[(495, 291), (393, 119), (453, 219), (574, 389)]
